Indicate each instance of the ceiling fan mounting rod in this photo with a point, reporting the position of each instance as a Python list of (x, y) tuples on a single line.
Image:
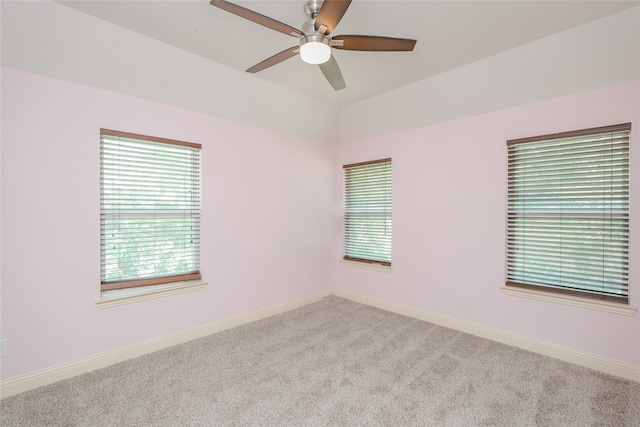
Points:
[(312, 7)]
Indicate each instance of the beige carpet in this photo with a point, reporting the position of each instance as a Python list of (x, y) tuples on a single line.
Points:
[(335, 363)]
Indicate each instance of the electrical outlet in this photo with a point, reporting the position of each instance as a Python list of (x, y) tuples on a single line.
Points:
[(466, 299), (4, 348)]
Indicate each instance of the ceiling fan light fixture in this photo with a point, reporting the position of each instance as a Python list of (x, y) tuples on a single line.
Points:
[(315, 49)]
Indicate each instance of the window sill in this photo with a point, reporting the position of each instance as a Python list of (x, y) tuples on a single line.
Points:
[(131, 295), (609, 307), (368, 266)]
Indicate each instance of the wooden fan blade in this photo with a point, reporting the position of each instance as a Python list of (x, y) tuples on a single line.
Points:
[(330, 13), (333, 74), (257, 18), (275, 59), (389, 44)]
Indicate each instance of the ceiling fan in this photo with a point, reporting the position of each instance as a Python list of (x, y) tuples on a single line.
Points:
[(315, 40)]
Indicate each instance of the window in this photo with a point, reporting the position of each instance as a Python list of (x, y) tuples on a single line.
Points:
[(367, 217), (149, 210), (568, 213)]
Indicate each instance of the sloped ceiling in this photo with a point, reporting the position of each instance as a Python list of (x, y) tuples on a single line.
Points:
[(450, 34), (471, 57)]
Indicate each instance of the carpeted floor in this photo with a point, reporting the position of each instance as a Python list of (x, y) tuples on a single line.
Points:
[(336, 363)]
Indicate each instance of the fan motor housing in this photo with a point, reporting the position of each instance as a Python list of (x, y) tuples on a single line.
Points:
[(319, 38), (309, 27)]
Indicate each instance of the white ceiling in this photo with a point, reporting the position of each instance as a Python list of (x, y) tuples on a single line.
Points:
[(450, 34)]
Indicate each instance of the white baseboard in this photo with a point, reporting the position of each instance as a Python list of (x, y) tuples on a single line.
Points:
[(578, 357), (22, 383)]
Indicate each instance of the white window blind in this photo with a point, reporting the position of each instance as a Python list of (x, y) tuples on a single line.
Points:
[(367, 218), (149, 210), (568, 212)]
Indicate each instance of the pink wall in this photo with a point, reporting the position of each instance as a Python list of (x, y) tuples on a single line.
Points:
[(271, 207), (449, 222), (268, 227)]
